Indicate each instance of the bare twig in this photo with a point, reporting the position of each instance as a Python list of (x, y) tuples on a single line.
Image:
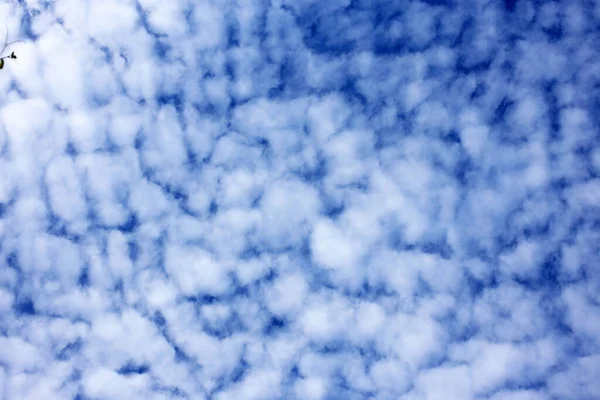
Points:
[(12, 55)]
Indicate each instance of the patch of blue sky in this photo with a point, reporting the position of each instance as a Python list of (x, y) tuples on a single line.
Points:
[(221, 199)]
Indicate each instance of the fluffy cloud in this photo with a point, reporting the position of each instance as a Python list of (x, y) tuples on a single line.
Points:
[(299, 199)]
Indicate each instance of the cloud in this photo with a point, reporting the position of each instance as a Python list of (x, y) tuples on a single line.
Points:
[(299, 199)]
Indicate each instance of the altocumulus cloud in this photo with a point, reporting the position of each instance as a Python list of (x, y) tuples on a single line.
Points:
[(288, 199)]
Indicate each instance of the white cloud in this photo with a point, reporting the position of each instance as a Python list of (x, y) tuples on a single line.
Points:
[(324, 321), (326, 117), (66, 195), (336, 250), (195, 271), (578, 380), (311, 388), (519, 395), (441, 383), (291, 199), (147, 200), (287, 295), (295, 203), (106, 384), (63, 76), (21, 355), (391, 375)]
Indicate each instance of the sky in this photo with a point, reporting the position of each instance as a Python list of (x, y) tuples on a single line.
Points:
[(300, 199)]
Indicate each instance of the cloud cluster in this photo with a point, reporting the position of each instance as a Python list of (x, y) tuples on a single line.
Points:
[(227, 199)]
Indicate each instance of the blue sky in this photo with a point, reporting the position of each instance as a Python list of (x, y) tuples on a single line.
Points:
[(299, 199)]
